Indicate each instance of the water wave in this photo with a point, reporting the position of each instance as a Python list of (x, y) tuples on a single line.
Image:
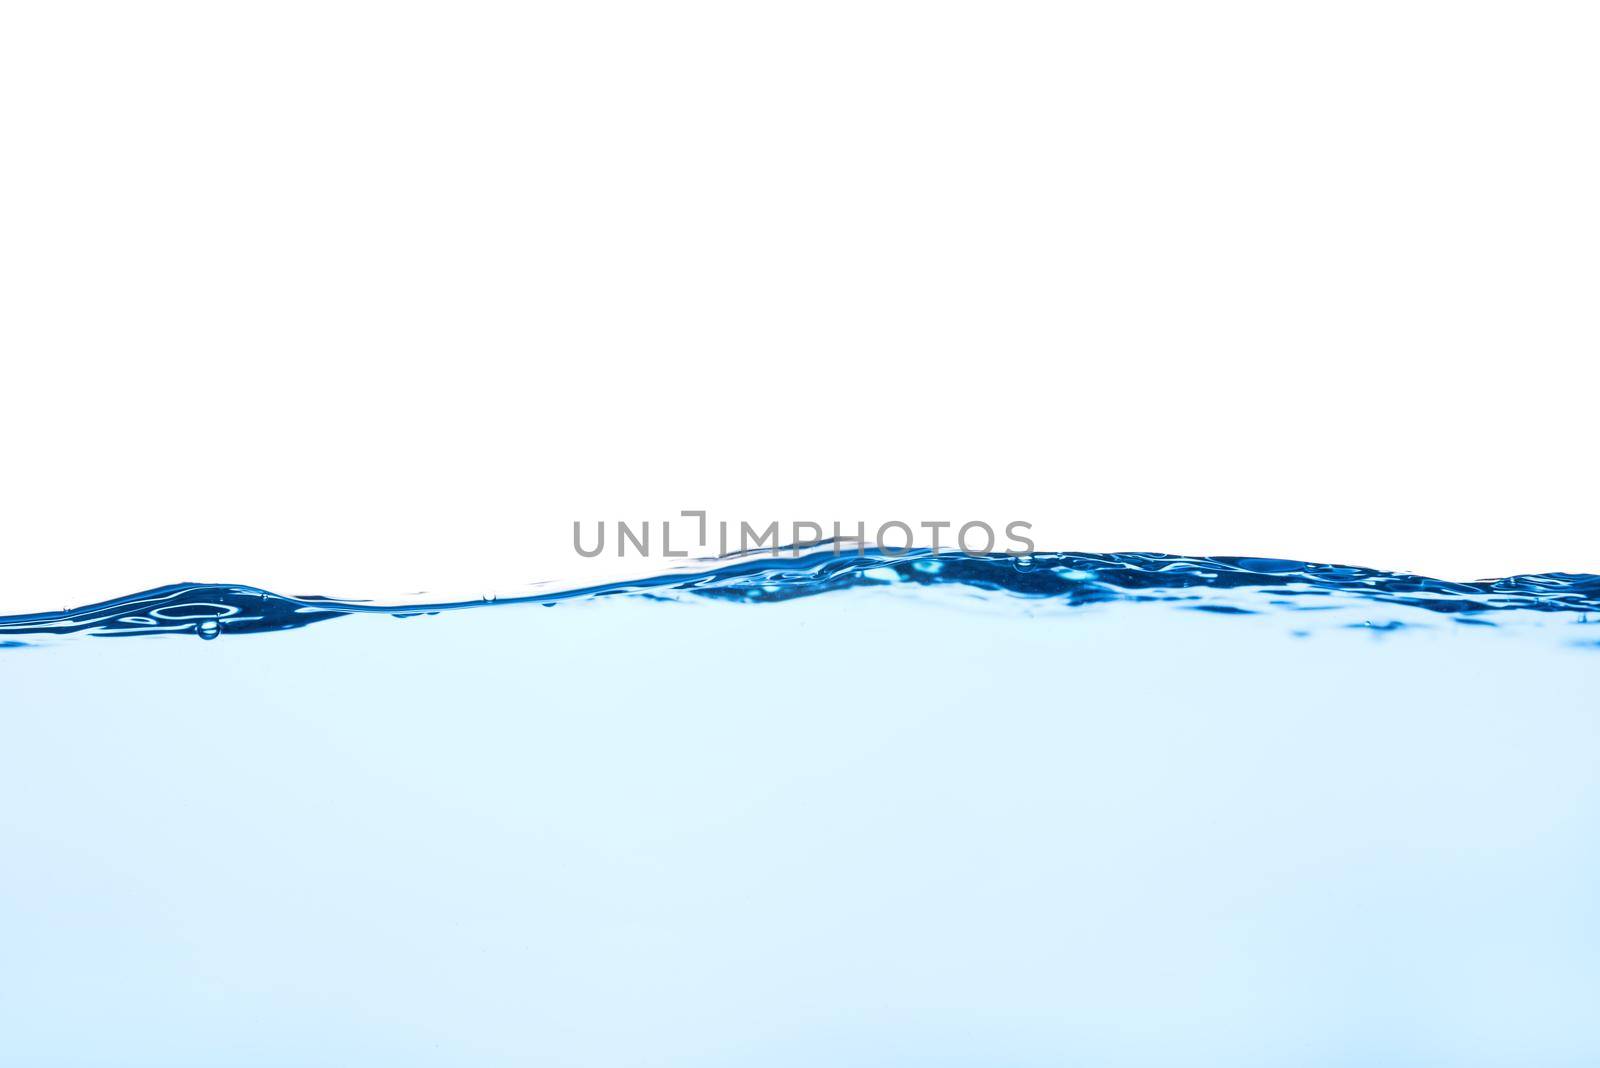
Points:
[(1224, 585)]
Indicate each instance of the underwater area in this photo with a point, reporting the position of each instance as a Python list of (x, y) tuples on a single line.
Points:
[(846, 809)]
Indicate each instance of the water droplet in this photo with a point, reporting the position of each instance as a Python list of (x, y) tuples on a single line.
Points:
[(208, 629), (1023, 563)]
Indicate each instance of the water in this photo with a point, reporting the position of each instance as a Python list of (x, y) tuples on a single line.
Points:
[(1110, 810)]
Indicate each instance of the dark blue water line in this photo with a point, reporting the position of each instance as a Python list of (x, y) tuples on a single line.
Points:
[(1226, 585)]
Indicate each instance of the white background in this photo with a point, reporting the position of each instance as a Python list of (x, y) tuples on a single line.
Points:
[(364, 299)]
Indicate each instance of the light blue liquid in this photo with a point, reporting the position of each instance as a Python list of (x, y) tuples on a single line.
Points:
[(897, 824)]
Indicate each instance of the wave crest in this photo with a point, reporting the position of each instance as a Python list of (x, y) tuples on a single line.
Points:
[(1225, 585)]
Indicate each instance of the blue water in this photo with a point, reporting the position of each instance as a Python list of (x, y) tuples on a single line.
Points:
[(927, 810)]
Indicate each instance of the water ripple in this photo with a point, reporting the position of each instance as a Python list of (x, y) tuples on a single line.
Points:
[(1222, 585)]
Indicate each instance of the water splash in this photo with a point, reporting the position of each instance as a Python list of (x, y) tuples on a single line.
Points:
[(1221, 585)]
